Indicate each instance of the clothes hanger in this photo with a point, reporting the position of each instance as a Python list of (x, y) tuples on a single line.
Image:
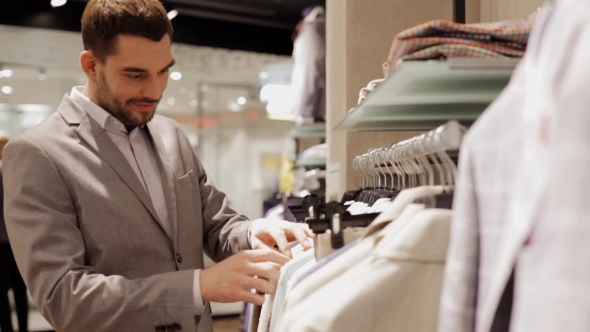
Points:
[(351, 195), (430, 152), (383, 191), (400, 177)]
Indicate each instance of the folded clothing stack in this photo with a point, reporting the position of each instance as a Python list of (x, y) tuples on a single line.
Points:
[(443, 39)]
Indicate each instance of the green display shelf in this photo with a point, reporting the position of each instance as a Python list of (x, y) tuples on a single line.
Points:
[(311, 162), (316, 130), (422, 95)]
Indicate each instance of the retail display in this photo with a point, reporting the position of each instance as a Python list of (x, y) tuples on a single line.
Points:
[(349, 245)]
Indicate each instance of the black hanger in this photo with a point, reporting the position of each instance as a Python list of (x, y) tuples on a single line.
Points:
[(334, 212), (303, 210)]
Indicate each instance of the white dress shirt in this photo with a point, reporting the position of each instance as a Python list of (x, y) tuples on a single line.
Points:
[(137, 148)]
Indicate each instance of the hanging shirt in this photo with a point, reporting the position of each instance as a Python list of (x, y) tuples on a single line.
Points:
[(287, 272)]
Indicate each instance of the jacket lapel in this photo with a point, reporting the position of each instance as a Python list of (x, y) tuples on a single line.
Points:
[(94, 136), (530, 182), (168, 180)]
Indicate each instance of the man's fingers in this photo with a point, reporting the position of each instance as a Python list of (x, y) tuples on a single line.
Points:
[(258, 244), (299, 232), (267, 255), (262, 285), (267, 271), (300, 235), (308, 230), (281, 240), (250, 297)]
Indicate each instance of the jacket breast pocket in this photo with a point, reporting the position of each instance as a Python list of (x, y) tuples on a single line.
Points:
[(185, 197), (185, 180)]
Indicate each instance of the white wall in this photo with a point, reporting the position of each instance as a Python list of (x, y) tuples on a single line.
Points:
[(233, 159)]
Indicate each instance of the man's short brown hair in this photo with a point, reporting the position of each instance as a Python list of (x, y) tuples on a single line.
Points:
[(104, 20)]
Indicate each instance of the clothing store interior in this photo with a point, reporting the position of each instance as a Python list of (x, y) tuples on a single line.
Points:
[(427, 145)]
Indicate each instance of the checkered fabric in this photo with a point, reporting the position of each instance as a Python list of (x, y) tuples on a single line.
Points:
[(457, 50), (441, 39)]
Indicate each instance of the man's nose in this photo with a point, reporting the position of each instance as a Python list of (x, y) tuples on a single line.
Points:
[(152, 89)]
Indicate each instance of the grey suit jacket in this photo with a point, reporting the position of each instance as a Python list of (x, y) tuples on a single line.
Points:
[(87, 239)]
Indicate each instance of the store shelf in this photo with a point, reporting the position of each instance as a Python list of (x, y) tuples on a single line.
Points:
[(422, 95), (316, 130), (311, 162)]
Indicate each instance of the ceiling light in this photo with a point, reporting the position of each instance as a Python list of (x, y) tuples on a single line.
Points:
[(6, 89), (6, 73), (234, 107), (263, 75), (58, 3), (171, 101), (175, 75), (194, 103), (279, 99), (242, 101), (42, 76), (172, 14)]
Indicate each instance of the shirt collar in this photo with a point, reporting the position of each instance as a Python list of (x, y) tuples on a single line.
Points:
[(105, 119)]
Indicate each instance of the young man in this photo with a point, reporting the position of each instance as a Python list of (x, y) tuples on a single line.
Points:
[(110, 211)]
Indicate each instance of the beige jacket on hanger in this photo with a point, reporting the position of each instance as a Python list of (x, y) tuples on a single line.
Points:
[(395, 288)]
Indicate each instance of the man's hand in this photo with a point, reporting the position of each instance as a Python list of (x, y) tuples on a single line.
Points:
[(265, 233), (231, 280)]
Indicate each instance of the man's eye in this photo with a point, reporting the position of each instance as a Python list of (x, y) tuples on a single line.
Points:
[(135, 76)]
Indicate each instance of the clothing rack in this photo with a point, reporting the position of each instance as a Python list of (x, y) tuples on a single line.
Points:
[(412, 160)]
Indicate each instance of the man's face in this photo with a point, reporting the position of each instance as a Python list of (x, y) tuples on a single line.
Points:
[(130, 82)]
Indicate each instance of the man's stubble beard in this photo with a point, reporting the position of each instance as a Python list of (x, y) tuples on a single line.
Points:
[(106, 100)]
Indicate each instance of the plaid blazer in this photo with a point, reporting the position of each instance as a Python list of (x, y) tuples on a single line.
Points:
[(522, 191)]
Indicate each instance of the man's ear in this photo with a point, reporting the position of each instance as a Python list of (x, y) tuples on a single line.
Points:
[(89, 62)]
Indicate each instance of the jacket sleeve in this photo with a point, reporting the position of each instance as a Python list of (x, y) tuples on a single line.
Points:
[(225, 231), (459, 292), (41, 218)]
